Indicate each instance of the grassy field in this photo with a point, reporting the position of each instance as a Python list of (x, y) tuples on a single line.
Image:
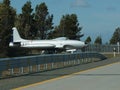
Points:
[(111, 54)]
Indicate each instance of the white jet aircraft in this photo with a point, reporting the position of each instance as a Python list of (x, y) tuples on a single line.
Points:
[(59, 43)]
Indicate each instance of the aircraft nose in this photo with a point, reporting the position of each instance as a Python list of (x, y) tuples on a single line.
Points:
[(86, 43)]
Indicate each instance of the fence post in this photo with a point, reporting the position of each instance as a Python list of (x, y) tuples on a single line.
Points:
[(11, 71), (21, 70), (30, 69), (52, 65), (45, 66), (38, 67)]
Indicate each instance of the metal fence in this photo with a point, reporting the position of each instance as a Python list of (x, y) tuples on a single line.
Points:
[(102, 48), (25, 65)]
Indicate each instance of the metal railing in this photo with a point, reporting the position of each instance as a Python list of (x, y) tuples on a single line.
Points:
[(30, 64)]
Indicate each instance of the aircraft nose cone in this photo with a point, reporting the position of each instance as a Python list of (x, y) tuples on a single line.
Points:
[(86, 43)]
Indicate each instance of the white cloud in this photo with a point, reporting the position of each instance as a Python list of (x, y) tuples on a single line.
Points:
[(80, 3)]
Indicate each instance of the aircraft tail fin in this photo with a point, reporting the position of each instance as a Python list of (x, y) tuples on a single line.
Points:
[(16, 35)]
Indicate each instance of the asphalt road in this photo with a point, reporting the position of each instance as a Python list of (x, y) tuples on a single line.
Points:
[(11, 83), (102, 78)]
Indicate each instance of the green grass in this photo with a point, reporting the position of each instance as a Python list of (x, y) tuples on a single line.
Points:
[(111, 55)]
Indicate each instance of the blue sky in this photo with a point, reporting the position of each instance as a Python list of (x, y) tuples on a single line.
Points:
[(97, 17)]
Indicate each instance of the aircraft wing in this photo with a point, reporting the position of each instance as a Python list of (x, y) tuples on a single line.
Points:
[(61, 38)]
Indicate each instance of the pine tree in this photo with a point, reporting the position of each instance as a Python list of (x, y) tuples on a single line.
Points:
[(68, 27), (7, 18), (25, 21), (116, 36), (88, 40), (6, 2), (43, 20), (98, 41)]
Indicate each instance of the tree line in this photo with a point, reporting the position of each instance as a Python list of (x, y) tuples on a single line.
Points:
[(37, 23), (34, 24), (114, 39)]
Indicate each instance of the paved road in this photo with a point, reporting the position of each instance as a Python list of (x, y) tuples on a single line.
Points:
[(6, 84), (102, 78)]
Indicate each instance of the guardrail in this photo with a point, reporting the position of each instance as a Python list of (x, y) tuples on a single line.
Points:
[(25, 65)]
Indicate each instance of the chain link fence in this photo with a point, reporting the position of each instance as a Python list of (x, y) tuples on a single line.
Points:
[(102, 48)]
